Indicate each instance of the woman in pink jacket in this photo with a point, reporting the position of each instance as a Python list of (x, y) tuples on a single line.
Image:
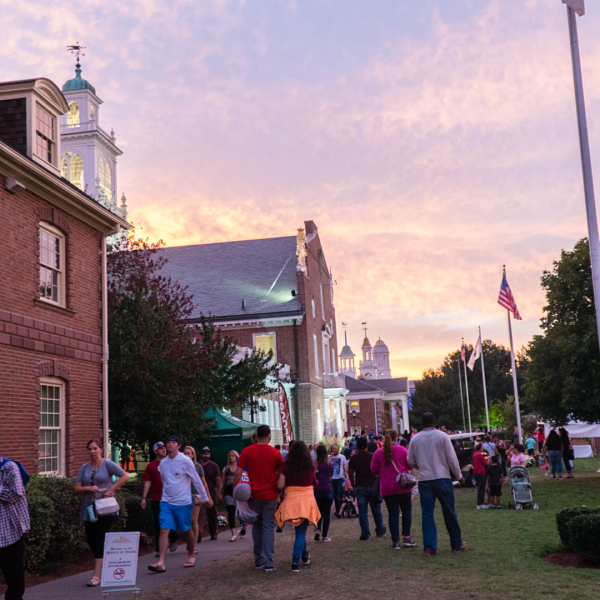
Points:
[(388, 462)]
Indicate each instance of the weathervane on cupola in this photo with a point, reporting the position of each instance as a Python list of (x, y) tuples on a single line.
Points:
[(76, 49)]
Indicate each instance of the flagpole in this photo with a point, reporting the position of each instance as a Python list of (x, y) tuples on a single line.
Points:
[(586, 164), (487, 414), (467, 389), (514, 374), (462, 403)]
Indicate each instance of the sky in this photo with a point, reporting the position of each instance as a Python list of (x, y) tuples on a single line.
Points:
[(431, 142)]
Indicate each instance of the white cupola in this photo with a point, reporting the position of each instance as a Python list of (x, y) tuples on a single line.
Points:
[(381, 358)]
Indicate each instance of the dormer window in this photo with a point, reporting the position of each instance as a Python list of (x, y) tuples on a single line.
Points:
[(73, 114), (46, 134)]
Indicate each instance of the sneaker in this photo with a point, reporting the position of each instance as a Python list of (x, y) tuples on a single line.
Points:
[(270, 569), (317, 536), (546, 474), (499, 506), (430, 552), (460, 548), (325, 540), (337, 515), (173, 547), (259, 567), (364, 538), (296, 568), (382, 533), (482, 506), (396, 546), (306, 559), (408, 543)]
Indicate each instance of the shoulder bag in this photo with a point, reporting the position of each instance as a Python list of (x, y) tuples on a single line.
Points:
[(407, 480)]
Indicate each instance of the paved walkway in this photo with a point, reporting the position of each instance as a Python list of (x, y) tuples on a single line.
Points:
[(208, 551)]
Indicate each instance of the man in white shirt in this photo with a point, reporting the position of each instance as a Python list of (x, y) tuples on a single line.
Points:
[(340, 472), (177, 472), (432, 453)]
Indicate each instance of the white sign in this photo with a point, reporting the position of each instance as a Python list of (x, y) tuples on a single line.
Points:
[(120, 558)]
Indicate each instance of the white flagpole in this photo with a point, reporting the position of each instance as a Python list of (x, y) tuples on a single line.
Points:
[(462, 403), (514, 374), (487, 414), (586, 164), (467, 386)]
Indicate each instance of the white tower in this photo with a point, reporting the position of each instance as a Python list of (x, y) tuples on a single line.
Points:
[(381, 356), (89, 154), (347, 360), (367, 364)]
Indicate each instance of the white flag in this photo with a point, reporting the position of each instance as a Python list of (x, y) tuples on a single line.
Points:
[(475, 354), (577, 5)]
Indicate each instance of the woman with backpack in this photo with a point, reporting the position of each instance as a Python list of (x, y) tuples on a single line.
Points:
[(323, 493), (390, 463), (94, 481)]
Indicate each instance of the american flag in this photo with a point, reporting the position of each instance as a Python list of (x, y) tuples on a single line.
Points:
[(462, 352), (507, 300)]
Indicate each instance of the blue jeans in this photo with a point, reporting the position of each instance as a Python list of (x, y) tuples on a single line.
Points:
[(442, 490), (324, 501), (338, 493), (366, 498), (300, 542), (556, 461), (396, 503), (263, 532)]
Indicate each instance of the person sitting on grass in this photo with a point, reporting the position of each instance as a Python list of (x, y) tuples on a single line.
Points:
[(495, 478)]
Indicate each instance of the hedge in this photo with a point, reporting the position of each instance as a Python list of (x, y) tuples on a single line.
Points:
[(585, 533), (563, 522), (56, 527), (137, 518)]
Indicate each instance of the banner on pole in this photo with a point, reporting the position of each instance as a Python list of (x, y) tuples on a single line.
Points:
[(120, 558), (475, 354), (284, 410), (577, 5)]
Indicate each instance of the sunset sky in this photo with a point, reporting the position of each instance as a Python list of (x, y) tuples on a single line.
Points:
[(431, 141)]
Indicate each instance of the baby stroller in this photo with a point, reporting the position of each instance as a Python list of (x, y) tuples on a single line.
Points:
[(520, 485), (349, 511)]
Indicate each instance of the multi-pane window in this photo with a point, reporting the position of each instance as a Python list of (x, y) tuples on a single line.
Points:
[(45, 126), (105, 177), (266, 343), (92, 112), (73, 114), (76, 171), (49, 449), (51, 265), (316, 344)]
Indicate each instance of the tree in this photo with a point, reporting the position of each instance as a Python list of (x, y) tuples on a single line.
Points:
[(164, 374), (439, 390), (563, 377)]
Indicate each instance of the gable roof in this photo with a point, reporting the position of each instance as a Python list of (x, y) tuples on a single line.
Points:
[(262, 273), (395, 385)]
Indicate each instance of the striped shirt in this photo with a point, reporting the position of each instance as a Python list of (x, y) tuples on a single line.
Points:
[(14, 515)]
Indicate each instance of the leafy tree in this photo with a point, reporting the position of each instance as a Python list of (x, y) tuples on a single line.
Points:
[(563, 377), (439, 392), (165, 373)]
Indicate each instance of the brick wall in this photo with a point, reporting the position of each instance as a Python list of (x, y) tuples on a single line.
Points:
[(38, 339), (367, 418)]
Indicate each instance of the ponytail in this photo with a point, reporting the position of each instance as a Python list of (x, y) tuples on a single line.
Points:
[(390, 438)]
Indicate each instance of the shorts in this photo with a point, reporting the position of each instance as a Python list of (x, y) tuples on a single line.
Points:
[(530, 451), (495, 491), (173, 516)]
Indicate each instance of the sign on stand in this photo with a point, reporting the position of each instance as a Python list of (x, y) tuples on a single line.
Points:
[(120, 559)]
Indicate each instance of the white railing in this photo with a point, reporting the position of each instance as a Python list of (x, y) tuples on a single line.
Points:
[(83, 127)]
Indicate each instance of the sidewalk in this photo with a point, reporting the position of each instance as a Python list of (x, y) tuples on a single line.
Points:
[(74, 587)]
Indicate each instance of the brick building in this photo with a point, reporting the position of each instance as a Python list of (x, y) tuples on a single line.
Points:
[(274, 294), (52, 265)]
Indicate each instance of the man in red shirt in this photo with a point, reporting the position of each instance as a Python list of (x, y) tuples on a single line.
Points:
[(262, 463), (152, 479), (479, 463)]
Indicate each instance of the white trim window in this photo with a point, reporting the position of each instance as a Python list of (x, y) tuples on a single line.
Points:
[(266, 342), (45, 135), (316, 343), (51, 438), (355, 406), (322, 304), (52, 264)]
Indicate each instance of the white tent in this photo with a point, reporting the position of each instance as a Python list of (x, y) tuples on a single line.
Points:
[(577, 429)]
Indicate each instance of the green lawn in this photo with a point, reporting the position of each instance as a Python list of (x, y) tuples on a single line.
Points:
[(504, 559)]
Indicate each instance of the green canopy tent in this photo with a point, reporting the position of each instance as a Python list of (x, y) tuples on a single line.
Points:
[(228, 433)]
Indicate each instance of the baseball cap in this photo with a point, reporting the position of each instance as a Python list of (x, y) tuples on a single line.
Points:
[(206, 449), (174, 438), (157, 446)]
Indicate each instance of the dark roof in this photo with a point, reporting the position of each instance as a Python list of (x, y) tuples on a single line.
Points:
[(220, 276), (395, 385)]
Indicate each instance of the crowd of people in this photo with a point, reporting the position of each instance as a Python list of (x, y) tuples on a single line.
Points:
[(270, 487)]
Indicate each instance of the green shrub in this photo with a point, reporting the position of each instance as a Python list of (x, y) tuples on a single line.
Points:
[(137, 518), (41, 516), (585, 532), (563, 522)]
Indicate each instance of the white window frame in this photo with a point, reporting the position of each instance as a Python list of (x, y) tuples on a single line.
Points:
[(316, 344), (61, 295), (350, 409), (57, 383), (313, 309), (255, 335), (52, 142), (322, 303)]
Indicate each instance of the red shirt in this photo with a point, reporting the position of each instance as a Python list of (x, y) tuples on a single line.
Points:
[(478, 463), (262, 462), (152, 474), (306, 480)]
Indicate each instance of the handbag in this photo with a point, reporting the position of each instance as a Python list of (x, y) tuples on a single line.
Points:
[(106, 507), (407, 480), (197, 499)]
